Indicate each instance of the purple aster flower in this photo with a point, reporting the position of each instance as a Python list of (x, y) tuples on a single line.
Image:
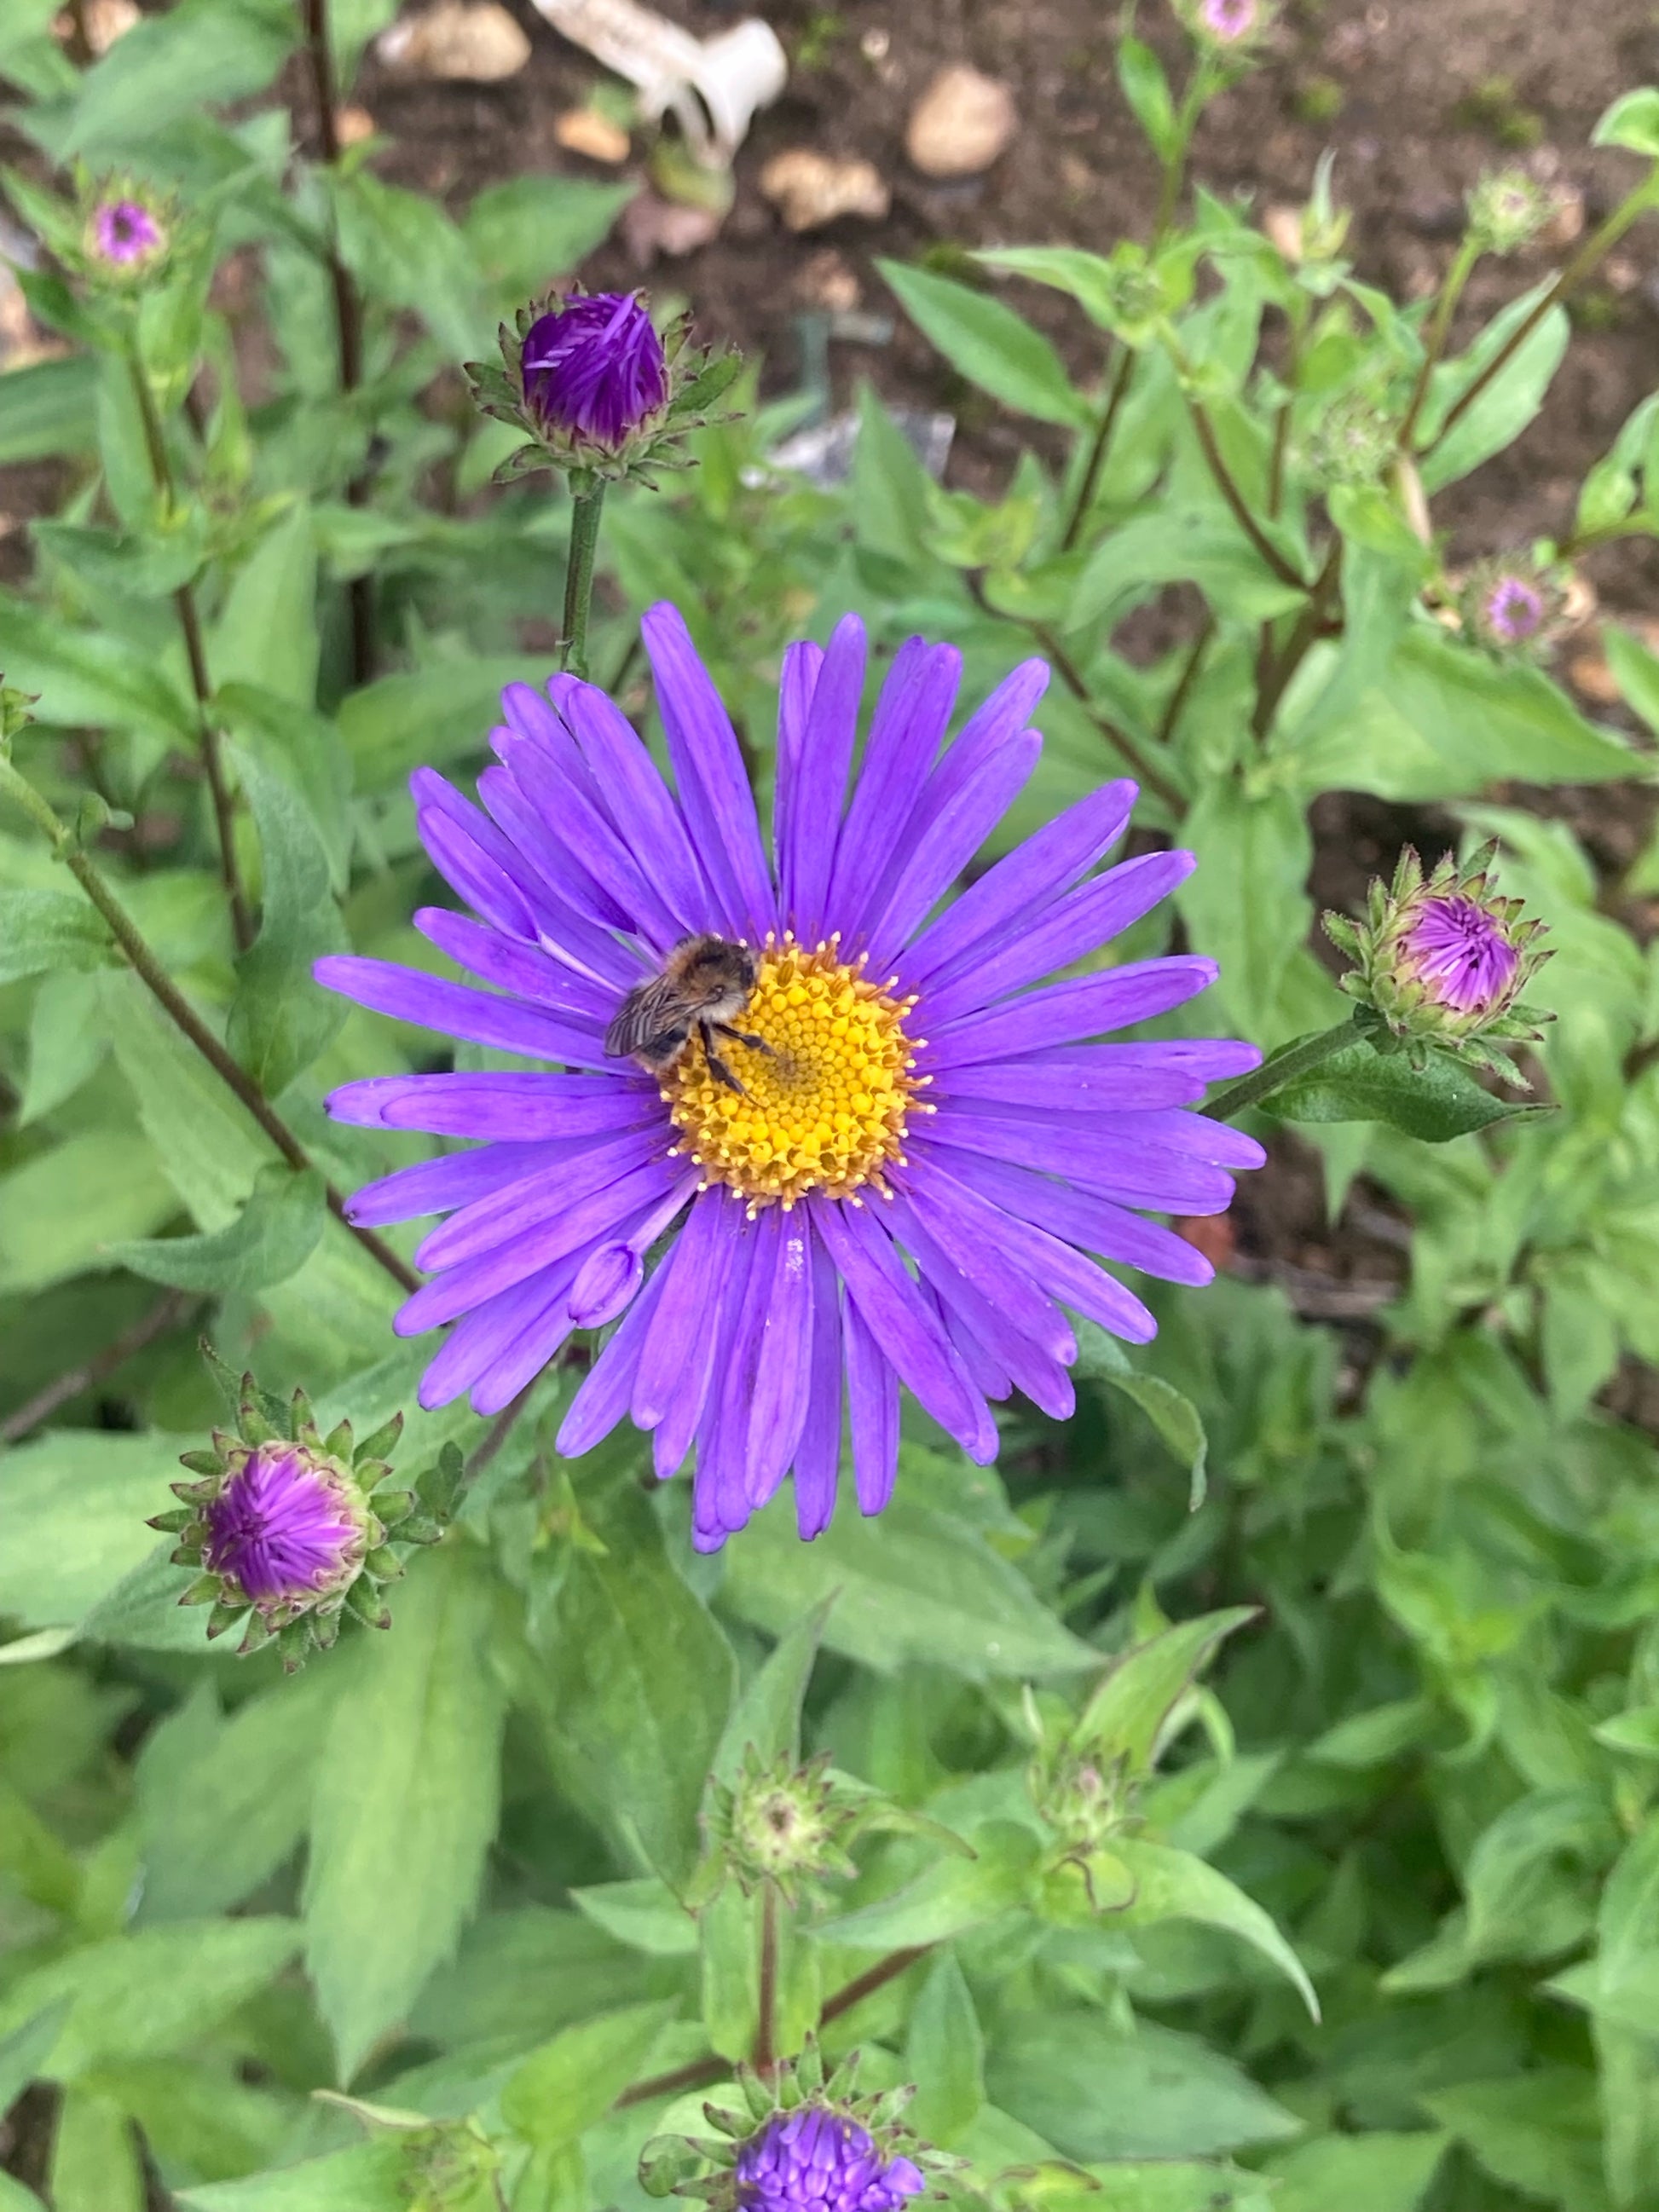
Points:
[(1513, 611), (124, 232), (804, 2159), (919, 1141), (1228, 20), (1461, 954), (594, 368), (286, 1528)]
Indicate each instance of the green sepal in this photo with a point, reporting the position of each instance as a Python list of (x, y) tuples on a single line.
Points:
[(380, 1445), (205, 1590), (337, 1443), (364, 1602), (384, 1566), (391, 1506), (224, 1617), (198, 1462), (420, 1528), (173, 1524)]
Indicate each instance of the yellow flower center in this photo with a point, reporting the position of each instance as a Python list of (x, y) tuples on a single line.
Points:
[(825, 1094)]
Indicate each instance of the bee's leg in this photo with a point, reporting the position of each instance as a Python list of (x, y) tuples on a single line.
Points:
[(742, 1036), (717, 1067)]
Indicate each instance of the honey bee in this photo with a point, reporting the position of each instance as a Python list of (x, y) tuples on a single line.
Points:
[(705, 981)]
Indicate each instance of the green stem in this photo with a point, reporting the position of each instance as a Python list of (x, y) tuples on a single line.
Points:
[(585, 512), (1595, 247), (150, 972), (1151, 776), (1274, 680), (1198, 92), (1288, 1066), (1435, 344), (1097, 451), (1227, 485), (190, 624)]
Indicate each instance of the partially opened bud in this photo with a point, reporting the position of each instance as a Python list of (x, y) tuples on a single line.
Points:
[(802, 2161), (127, 234), (1513, 607), (595, 370)]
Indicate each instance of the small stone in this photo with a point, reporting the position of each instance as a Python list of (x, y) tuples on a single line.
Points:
[(962, 123), (585, 131), (810, 189), (105, 22), (355, 124), (1283, 226), (1593, 679), (1566, 225), (651, 225), (828, 282), (472, 39)]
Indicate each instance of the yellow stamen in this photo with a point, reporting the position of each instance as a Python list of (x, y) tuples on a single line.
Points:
[(826, 1109)]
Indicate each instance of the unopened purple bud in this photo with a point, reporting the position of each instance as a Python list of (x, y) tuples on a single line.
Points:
[(124, 233), (1460, 954), (1514, 610), (594, 368), (821, 2161), (287, 1527), (1228, 20)]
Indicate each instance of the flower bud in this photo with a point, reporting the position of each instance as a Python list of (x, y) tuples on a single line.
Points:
[(284, 1529), (1229, 24), (815, 2157), (1508, 209), (1512, 607), (1443, 959), (1352, 442)]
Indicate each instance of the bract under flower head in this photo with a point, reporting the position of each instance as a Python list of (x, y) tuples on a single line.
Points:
[(927, 1141), (594, 367), (1443, 959), (814, 2157)]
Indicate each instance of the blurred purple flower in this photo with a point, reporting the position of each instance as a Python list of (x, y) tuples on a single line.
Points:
[(920, 1099), (124, 231), (1460, 955), (802, 2161), (594, 367), (1228, 20), (1514, 610)]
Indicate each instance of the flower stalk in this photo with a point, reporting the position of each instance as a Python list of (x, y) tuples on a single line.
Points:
[(586, 509), (1289, 1065)]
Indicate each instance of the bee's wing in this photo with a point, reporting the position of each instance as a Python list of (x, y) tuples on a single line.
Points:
[(652, 1013)]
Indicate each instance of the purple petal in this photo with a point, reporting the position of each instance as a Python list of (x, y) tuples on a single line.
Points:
[(525, 1357), (1053, 1266), (801, 663), (709, 1278), (1091, 1153), (1065, 1014), (549, 1193), (580, 914), (487, 890), (987, 1375), (1071, 929), (817, 1456), (911, 719), (681, 1326), (1091, 1223), (783, 1372), (707, 764), (956, 828), (995, 1315), (720, 1500), (523, 970), (888, 1301), (576, 827), (637, 797), (1091, 1077), (1007, 895), (478, 1341), (818, 791), (611, 1212), (437, 1186), (511, 1105), (603, 1398), (453, 1011), (873, 1397)]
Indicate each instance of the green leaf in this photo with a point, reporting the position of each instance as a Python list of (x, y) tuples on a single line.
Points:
[(1636, 1731), (25, 2051), (1172, 1884), (273, 1237), (48, 932), (953, 1896), (72, 1509), (944, 2056), (766, 1718), (1636, 671), (1165, 2185), (94, 2159), (223, 1801), (14, 2197), (1124, 1717), (561, 2089), (61, 1210), (281, 1019), (405, 251), (1189, 544), (1633, 122), (1436, 1102), (1096, 2092), (405, 1804), (1508, 403), (1376, 2171), (1101, 1358), (147, 564), (1147, 89), (646, 1914), (66, 1045), (989, 344), (531, 229), (1537, 2132), (914, 1584), (48, 408), (200, 54), (1246, 903), (266, 635), (157, 1990), (369, 2177), (642, 1733), (432, 717), (85, 679)]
